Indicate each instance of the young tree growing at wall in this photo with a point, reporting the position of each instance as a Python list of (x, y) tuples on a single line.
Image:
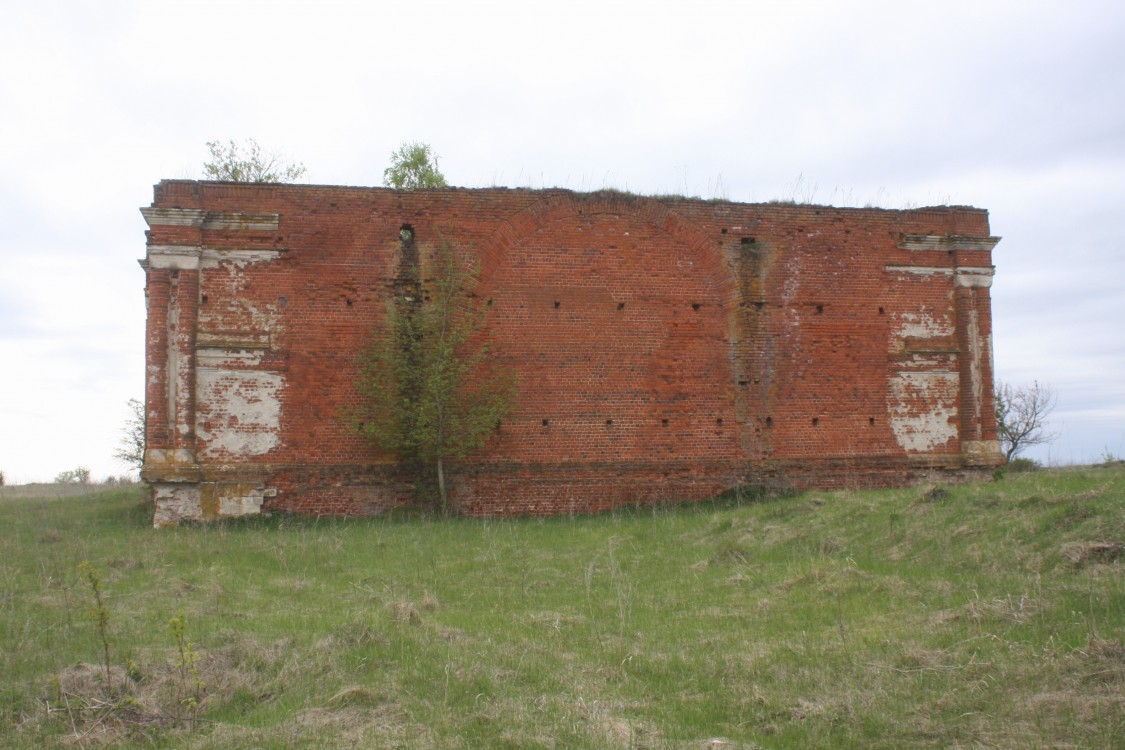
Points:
[(248, 163), (131, 447), (1021, 416), (431, 389), (413, 166)]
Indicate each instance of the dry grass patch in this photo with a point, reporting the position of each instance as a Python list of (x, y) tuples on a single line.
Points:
[(1086, 553)]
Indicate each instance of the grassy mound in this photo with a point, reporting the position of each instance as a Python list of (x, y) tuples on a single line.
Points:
[(988, 615)]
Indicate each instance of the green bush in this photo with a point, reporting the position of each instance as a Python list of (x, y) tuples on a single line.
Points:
[(1024, 464)]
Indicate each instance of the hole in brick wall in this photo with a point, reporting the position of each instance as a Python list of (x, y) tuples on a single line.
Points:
[(546, 422), (744, 383), (175, 274), (406, 233), (748, 240), (724, 230), (819, 309), (620, 305), (664, 422), (769, 421), (282, 301), (719, 421), (695, 306), (871, 421), (882, 311), (557, 303), (203, 299), (349, 302), (609, 423), (815, 421), (489, 303)]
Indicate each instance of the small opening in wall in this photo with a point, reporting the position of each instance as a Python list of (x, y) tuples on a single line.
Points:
[(719, 421), (695, 306), (489, 303), (406, 233), (664, 422), (815, 421), (281, 301), (748, 240), (819, 309), (882, 311), (744, 383), (349, 301), (620, 305), (557, 303), (546, 422), (724, 230), (609, 423), (871, 421), (203, 299), (769, 421)]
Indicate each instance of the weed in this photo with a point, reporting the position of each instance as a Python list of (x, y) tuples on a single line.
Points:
[(191, 687), (99, 614)]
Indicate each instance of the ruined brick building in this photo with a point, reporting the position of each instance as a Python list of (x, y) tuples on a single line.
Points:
[(666, 348)]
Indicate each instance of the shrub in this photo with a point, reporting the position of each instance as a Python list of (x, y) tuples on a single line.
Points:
[(81, 475), (1024, 464)]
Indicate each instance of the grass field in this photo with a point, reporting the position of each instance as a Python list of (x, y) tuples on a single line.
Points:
[(977, 616)]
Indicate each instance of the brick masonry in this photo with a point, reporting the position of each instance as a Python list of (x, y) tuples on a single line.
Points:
[(666, 348)]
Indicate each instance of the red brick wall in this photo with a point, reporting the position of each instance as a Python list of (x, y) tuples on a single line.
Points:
[(665, 348)]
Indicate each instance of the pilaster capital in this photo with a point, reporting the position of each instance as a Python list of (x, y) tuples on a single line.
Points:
[(975, 278), (174, 257), (173, 217), (945, 243)]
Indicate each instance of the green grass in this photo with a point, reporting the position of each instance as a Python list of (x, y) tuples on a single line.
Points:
[(989, 615)]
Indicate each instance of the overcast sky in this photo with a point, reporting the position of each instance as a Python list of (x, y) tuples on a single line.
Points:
[(1017, 107)]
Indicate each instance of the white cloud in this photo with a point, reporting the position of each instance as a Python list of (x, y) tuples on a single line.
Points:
[(1012, 106)]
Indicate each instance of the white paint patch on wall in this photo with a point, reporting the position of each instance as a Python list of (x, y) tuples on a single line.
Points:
[(238, 412), (176, 503), (975, 357), (248, 505), (921, 325), (923, 409), (218, 358), (225, 278), (235, 260)]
